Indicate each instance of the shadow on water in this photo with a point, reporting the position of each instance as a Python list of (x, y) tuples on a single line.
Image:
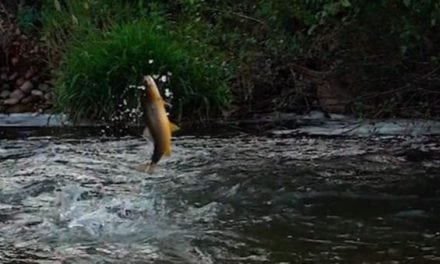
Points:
[(219, 199)]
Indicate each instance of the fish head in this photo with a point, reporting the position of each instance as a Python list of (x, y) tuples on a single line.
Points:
[(152, 91)]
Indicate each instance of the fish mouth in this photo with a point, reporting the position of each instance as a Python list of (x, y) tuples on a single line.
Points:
[(148, 80)]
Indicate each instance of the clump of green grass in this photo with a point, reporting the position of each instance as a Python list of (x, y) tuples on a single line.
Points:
[(95, 73), (70, 21)]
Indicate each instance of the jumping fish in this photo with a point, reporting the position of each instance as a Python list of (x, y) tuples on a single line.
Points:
[(158, 126)]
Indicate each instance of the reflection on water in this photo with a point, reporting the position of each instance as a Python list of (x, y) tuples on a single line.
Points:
[(245, 199)]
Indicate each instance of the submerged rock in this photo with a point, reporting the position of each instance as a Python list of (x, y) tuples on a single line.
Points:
[(413, 214)]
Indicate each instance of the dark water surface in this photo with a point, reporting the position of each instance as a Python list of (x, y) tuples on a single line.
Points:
[(243, 199)]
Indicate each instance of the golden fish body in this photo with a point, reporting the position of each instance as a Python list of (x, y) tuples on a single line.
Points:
[(158, 126)]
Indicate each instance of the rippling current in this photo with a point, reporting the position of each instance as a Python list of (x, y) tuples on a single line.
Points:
[(244, 199)]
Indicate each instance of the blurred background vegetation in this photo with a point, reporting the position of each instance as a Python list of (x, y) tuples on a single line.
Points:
[(368, 58)]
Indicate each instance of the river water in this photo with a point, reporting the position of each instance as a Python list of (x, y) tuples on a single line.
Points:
[(236, 198)]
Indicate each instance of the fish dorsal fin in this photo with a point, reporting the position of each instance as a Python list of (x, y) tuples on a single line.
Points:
[(147, 134), (174, 127)]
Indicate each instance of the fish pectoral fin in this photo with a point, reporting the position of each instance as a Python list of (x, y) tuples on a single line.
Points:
[(174, 127), (147, 134)]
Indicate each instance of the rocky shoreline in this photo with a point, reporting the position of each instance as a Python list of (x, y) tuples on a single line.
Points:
[(25, 96), (25, 85)]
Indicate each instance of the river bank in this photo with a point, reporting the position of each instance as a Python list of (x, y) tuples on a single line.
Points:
[(276, 124), (25, 81), (331, 59)]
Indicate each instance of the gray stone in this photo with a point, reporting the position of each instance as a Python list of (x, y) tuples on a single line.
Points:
[(11, 101), (29, 99), (27, 87), (43, 87), (29, 74), (36, 78), (5, 86), (17, 94), (13, 76), (37, 93), (48, 96), (5, 94), (19, 82), (4, 76), (14, 61)]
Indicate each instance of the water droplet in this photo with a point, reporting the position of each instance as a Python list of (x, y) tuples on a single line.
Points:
[(168, 93)]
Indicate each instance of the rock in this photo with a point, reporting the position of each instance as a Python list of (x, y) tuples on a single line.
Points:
[(37, 93), (27, 87), (13, 76), (29, 99), (19, 82), (5, 86), (5, 94), (19, 108), (14, 61), (11, 101), (36, 78), (48, 96), (29, 74), (43, 87), (4, 76), (17, 94)]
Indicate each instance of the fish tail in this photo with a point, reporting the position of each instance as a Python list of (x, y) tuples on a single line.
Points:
[(167, 151)]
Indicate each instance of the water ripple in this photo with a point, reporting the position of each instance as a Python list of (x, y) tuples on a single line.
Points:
[(246, 199)]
